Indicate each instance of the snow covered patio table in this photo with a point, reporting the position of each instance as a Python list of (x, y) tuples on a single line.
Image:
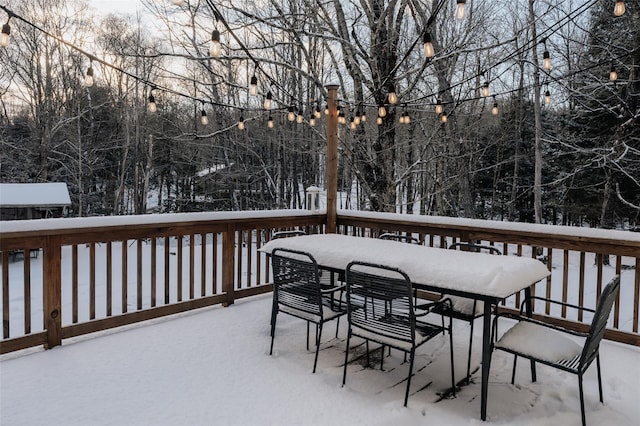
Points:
[(477, 276)]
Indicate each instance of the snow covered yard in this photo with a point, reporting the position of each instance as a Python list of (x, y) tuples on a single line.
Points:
[(212, 367)]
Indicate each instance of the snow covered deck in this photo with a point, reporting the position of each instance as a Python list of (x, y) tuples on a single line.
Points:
[(212, 367)]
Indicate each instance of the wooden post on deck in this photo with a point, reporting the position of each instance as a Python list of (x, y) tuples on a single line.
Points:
[(52, 289), (332, 157)]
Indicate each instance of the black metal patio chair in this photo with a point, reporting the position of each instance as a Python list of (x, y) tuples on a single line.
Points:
[(399, 237), (381, 309), (297, 292), (556, 346), (463, 308), (286, 234)]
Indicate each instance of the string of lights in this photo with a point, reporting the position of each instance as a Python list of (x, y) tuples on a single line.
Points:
[(391, 96)]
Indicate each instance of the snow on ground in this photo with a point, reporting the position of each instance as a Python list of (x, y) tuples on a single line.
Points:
[(213, 367)]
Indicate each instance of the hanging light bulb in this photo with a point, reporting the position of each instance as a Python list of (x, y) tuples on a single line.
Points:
[(326, 109), (382, 110), (178, 2), (401, 119), (270, 122), (215, 49), (356, 119), (439, 107), (546, 60), (363, 117), (407, 119), (619, 9), (253, 86), (547, 97), (317, 113), (241, 123), (352, 123), (485, 89), (312, 121), (494, 110), (460, 9), (299, 117), (152, 104), (613, 74), (429, 52), (267, 101), (392, 97), (291, 115), (88, 79), (444, 118), (203, 117), (5, 38), (379, 120), (341, 118)]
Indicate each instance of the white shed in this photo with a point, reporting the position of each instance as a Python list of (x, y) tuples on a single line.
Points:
[(33, 200)]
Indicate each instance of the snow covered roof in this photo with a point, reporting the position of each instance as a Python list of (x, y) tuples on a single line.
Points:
[(52, 194)]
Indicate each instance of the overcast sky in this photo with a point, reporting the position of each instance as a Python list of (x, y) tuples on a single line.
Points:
[(116, 6)]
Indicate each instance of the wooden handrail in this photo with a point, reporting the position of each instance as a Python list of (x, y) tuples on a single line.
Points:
[(228, 266)]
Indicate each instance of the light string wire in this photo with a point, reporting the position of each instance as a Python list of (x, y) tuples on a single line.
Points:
[(413, 103)]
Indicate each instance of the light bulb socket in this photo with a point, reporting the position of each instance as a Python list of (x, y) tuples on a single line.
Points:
[(546, 60), (460, 9), (428, 45), (392, 97), (5, 35), (485, 89), (152, 104)]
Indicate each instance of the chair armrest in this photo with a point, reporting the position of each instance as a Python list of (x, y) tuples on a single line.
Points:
[(556, 302), (538, 322), (333, 289), (428, 307)]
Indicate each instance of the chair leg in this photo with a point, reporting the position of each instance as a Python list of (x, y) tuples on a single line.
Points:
[(367, 347), (337, 326), (599, 378), (513, 374), (346, 359), (382, 357), (273, 331), (584, 421), (453, 374), (318, 337), (406, 393), (469, 355)]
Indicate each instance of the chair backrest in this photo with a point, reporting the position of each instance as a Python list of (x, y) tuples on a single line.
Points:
[(599, 322), (475, 248), (399, 237), (296, 281), (380, 300), (285, 234)]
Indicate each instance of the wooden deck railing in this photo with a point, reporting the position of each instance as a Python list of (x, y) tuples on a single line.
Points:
[(581, 260), (93, 274)]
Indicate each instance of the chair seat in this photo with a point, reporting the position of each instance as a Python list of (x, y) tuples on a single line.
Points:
[(392, 334), (462, 308), (525, 339)]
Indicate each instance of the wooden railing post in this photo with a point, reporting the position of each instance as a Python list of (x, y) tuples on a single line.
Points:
[(332, 158), (228, 262), (52, 290)]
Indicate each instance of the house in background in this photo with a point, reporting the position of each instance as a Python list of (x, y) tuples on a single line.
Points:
[(19, 201)]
